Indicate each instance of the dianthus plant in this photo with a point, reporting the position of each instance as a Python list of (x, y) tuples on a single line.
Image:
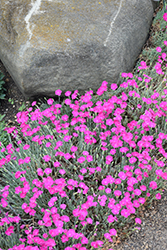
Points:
[(77, 172)]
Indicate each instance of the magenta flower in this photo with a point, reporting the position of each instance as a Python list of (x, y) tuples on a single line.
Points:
[(81, 159), (48, 171), (26, 147), (9, 231), (83, 170), (27, 159), (46, 158), (158, 49), (142, 200), (62, 171), (50, 101), (117, 193), (73, 149), (108, 190), (114, 86), (113, 232), (125, 213), (33, 103), (67, 93), (137, 192), (158, 196), (153, 185), (58, 92), (138, 221), (65, 218), (56, 164), (89, 158), (122, 175), (124, 75), (48, 144), (143, 187), (111, 219), (17, 174), (63, 206), (20, 161)]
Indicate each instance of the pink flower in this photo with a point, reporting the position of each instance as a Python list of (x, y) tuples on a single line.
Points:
[(27, 159), (48, 144), (97, 243), (40, 172), (26, 147), (67, 93), (63, 206), (165, 17), (56, 164), (117, 192), (108, 190), (141, 200), (111, 219), (9, 231), (89, 220), (113, 232), (137, 192), (122, 175), (81, 159), (17, 174), (65, 218), (50, 101), (89, 158), (153, 185), (109, 122), (46, 158), (48, 170), (158, 196), (58, 92), (158, 49), (114, 86), (33, 103), (125, 213), (143, 187), (109, 159), (20, 161), (73, 149), (84, 240), (107, 236), (62, 171), (83, 170), (138, 220), (124, 74)]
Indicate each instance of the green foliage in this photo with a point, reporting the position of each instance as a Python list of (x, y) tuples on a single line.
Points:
[(11, 101), (2, 89), (4, 138), (22, 107)]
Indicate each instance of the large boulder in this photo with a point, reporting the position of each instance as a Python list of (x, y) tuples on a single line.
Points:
[(62, 44)]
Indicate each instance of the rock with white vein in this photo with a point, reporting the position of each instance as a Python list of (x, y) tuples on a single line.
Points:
[(62, 44)]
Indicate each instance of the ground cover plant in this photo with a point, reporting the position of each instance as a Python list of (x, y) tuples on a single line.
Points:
[(3, 135), (2, 89), (76, 174)]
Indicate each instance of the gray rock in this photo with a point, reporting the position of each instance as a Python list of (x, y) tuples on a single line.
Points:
[(68, 45)]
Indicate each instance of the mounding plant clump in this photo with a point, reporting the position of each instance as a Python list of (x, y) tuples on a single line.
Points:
[(76, 174), (2, 89), (3, 134)]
